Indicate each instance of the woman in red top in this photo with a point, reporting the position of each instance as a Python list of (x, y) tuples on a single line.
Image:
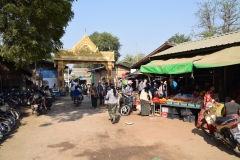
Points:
[(208, 97)]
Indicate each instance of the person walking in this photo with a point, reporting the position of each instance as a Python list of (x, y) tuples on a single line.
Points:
[(100, 93), (112, 104), (94, 95), (145, 98)]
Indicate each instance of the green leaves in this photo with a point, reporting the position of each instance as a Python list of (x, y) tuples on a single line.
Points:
[(130, 59), (106, 42), (31, 30), (179, 38)]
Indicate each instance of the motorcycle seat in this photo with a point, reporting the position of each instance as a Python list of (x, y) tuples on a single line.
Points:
[(224, 120)]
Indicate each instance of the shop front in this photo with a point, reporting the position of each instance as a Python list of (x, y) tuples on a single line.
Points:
[(191, 75)]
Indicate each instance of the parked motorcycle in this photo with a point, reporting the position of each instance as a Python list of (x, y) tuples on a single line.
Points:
[(226, 129), (24, 98)]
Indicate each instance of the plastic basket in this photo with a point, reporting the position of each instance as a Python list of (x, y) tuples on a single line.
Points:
[(198, 105), (165, 109), (164, 114), (191, 104)]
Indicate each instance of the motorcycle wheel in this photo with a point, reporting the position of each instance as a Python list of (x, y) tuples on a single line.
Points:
[(6, 127), (1, 135), (205, 129), (237, 145), (125, 110), (37, 113), (24, 102)]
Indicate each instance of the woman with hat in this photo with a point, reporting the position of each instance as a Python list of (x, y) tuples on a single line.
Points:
[(145, 98)]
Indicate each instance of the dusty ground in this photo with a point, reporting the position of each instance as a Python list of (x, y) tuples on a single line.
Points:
[(69, 133)]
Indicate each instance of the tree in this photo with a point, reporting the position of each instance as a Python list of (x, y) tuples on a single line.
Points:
[(229, 13), (106, 42), (225, 12), (130, 59), (31, 30), (206, 15), (179, 38)]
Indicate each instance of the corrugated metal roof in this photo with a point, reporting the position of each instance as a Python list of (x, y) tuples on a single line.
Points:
[(220, 40)]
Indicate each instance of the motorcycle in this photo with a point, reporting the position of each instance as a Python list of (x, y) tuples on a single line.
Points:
[(36, 104), (77, 101), (24, 98), (226, 129), (125, 104)]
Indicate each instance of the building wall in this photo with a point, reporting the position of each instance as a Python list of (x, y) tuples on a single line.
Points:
[(10, 78), (116, 73)]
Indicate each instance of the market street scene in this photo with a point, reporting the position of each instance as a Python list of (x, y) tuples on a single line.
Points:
[(122, 82)]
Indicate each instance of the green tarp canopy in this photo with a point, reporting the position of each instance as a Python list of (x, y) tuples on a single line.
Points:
[(225, 57), (171, 66)]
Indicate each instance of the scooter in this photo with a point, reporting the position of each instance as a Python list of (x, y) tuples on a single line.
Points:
[(226, 129), (77, 101), (36, 104)]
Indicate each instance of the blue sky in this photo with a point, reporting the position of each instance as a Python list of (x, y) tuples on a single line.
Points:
[(147, 23)]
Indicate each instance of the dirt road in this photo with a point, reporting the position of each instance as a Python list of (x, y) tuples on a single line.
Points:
[(69, 133)]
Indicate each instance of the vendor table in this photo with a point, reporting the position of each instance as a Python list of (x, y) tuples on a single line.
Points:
[(170, 105)]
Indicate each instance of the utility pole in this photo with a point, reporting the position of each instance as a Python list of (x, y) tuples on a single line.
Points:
[(137, 51)]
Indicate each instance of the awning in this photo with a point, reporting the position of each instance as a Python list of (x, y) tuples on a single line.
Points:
[(225, 57), (170, 66)]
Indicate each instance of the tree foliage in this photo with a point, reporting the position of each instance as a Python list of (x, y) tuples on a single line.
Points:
[(217, 17), (31, 29), (179, 38), (130, 59), (229, 13), (106, 42)]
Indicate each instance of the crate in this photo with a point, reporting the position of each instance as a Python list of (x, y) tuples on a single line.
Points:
[(164, 114), (183, 103), (169, 102), (191, 104), (165, 109), (175, 103), (199, 105)]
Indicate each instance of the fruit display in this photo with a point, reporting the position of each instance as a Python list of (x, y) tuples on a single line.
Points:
[(163, 100), (186, 98)]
